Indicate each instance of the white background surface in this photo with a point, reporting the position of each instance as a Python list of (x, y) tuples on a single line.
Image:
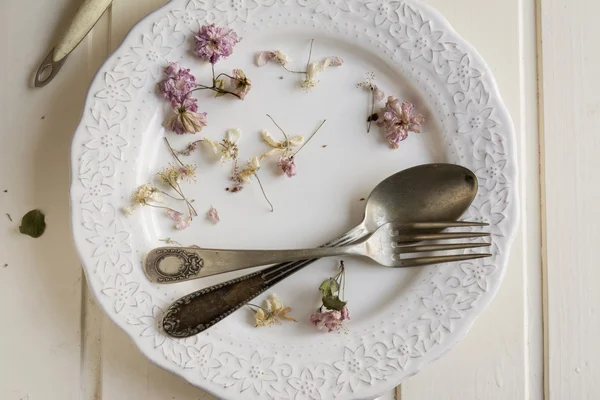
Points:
[(55, 344)]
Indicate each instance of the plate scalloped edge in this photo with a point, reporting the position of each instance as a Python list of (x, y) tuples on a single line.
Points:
[(482, 135)]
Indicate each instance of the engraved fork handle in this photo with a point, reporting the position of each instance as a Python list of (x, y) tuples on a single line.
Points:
[(200, 310), (173, 264)]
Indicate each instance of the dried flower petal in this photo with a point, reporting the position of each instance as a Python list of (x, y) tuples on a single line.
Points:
[(287, 165), (185, 121), (213, 215), (240, 83), (272, 310), (147, 193), (214, 43), (315, 68), (181, 222), (264, 57), (278, 56), (378, 94)]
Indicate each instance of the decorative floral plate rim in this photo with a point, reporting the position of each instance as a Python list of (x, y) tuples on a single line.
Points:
[(410, 33)]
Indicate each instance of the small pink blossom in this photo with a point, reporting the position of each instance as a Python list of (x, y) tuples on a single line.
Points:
[(181, 221), (287, 165), (213, 215), (177, 85), (330, 319), (397, 120), (214, 43), (240, 83)]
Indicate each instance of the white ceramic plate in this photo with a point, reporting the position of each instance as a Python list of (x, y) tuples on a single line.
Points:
[(401, 320)]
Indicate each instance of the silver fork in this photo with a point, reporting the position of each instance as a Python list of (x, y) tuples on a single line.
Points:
[(388, 246)]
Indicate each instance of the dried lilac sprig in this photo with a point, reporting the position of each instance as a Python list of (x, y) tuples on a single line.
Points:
[(286, 149), (398, 119), (312, 68), (333, 311), (376, 95)]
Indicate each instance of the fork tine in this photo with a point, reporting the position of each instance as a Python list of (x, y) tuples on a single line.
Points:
[(438, 225), (438, 247), (407, 237), (419, 261)]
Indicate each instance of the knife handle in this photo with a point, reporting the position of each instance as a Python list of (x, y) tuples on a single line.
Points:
[(200, 310), (86, 16)]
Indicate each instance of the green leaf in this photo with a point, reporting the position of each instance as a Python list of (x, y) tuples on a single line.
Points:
[(333, 303), (329, 287), (33, 224)]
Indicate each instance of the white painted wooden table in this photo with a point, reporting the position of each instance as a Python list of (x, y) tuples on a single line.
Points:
[(538, 339)]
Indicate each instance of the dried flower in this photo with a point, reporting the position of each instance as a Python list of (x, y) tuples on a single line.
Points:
[(287, 165), (330, 319), (227, 148), (214, 43), (280, 147), (334, 311), (177, 86), (190, 148), (181, 221), (172, 175), (315, 68), (240, 83), (397, 120), (145, 194), (271, 312), (252, 166), (213, 215), (376, 95), (186, 121), (278, 56)]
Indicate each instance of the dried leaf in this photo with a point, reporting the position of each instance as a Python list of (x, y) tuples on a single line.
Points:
[(33, 224), (333, 303)]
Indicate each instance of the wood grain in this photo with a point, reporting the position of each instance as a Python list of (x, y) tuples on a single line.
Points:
[(571, 117)]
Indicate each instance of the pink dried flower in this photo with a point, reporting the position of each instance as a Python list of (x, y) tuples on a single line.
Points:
[(213, 215), (398, 119), (330, 319), (278, 56), (181, 222), (287, 165), (240, 83), (214, 43), (186, 121), (177, 85)]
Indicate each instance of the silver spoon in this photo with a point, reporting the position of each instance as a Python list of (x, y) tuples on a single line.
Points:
[(425, 193)]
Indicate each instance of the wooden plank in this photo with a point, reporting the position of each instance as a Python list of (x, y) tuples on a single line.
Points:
[(502, 356), (570, 146), (40, 279)]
